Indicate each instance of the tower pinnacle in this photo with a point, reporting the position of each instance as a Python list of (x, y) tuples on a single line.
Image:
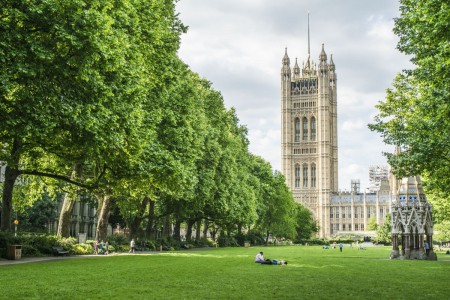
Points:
[(309, 50)]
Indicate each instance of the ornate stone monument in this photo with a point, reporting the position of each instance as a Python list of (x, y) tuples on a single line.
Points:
[(412, 222)]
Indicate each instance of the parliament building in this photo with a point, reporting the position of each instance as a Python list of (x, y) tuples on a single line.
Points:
[(309, 151)]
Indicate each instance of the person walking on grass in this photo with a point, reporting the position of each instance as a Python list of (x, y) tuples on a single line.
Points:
[(340, 246), (132, 246), (427, 247)]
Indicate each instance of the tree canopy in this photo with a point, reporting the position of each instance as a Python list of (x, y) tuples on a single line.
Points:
[(95, 101), (415, 113)]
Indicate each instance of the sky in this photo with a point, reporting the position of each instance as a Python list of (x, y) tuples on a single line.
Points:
[(238, 45)]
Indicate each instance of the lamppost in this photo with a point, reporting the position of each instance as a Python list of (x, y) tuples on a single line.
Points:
[(16, 222)]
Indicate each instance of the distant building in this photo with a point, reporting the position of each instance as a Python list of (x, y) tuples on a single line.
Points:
[(309, 152), (376, 175)]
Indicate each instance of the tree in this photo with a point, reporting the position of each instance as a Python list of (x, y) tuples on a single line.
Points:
[(372, 224), (415, 112), (306, 225), (74, 75), (443, 232), (384, 232)]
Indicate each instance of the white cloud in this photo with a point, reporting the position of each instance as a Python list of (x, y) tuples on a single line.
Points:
[(238, 45)]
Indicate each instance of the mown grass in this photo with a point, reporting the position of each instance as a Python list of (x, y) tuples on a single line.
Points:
[(311, 273)]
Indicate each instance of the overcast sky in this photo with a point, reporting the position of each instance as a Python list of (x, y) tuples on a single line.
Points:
[(238, 46)]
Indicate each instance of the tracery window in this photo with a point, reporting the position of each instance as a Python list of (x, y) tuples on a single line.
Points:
[(305, 129), (313, 128), (305, 175), (313, 175), (297, 130), (297, 176)]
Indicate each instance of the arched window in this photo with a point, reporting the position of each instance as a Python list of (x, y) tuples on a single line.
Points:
[(297, 176), (297, 130), (313, 175), (305, 129), (313, 129), (305, 175)]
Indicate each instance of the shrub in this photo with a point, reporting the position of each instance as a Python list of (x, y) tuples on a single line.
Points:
[(204, 242), (119, 241), (29, 250), (81, 249), (67, 243), (225, 241), (255, 238), (35, 244)]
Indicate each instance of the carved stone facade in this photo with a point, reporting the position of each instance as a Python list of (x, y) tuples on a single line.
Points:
[(309, 158), (412, 222), (351, 212)]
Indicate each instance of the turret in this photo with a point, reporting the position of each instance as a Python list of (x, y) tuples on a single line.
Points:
[(296, 70), (308, 68), (323, 66), (285, 68), (332, 69)]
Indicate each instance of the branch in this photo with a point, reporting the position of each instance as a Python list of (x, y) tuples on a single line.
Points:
[(60, 177)]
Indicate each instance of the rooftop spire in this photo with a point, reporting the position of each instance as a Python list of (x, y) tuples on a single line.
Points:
[(309, 52)]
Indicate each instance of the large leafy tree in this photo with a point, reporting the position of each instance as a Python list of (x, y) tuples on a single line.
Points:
[(306, 225), (74, 78), (384, 232), (415, 113)]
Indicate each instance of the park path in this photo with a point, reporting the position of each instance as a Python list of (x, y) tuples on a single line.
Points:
[(26, 260)]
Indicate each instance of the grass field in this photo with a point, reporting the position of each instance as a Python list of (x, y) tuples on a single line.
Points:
[(311, 273)]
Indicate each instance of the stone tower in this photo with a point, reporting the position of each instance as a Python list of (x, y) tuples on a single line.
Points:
[(309, 158)]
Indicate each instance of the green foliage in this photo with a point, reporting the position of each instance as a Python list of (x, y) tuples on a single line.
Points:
[(227, 241), (384, 232), (38, 244), (81, 249), (118, 239), (372, 223), (96, 102), (442, 231), (415, 113), (35, 218), (441, 206), (306, 225), (204, 242)]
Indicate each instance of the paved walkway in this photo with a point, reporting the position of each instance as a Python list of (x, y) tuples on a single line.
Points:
[(25, 260)]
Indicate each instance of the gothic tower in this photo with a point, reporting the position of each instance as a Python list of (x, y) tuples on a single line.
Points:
[(309, 159)]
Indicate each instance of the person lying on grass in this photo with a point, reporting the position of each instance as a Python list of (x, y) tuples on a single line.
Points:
[(261, 260)]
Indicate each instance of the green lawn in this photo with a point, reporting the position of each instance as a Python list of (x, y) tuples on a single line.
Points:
[(311, 273)]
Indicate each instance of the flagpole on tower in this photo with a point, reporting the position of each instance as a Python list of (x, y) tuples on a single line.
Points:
[(308, 37)]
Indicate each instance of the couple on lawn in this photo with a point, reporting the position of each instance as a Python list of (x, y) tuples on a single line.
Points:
[(261, 260)]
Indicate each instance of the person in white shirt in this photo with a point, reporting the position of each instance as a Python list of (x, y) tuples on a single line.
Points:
[(260, 258)]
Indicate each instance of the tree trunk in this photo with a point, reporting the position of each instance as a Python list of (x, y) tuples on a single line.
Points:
[(198, 230), (150, 232), (11, 173), (213, 232), (67, 207), (189, 230), (137, 220), (177, 230), (66, 214), (167, 229), (103, 212), (205, 229)]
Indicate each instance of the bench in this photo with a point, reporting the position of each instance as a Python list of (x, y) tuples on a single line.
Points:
[(59, 251)]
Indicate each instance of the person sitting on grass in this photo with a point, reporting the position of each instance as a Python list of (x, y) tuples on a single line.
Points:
[(261, 260)]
